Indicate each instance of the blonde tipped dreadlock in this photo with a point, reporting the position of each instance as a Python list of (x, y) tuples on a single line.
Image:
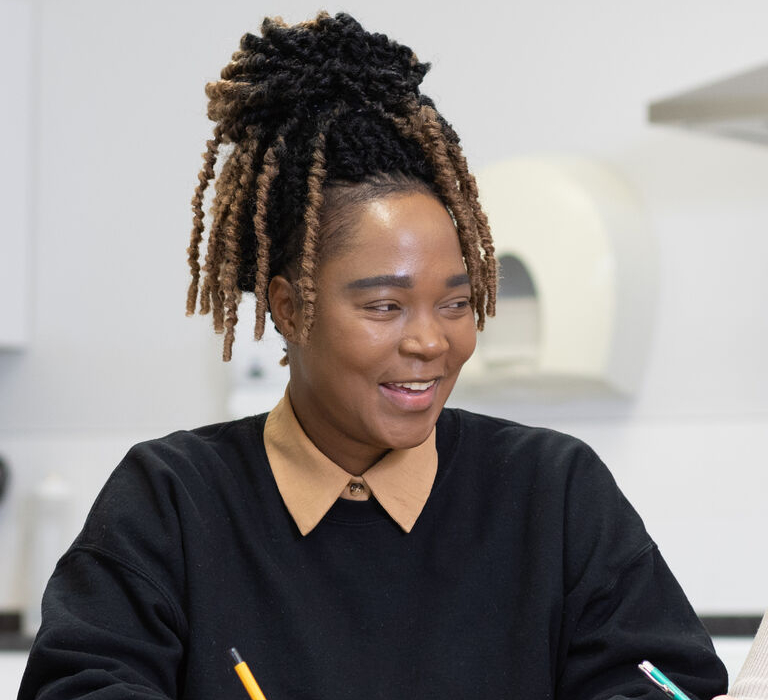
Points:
[(322, 116), (308, 260), (198, 225), (263, 183)]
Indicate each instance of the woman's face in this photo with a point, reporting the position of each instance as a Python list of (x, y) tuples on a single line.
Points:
[(392, 328)]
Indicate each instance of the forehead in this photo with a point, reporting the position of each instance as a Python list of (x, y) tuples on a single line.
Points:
[(399, 229)]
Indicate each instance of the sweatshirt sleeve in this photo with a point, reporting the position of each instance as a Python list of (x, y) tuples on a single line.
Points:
[(113, 625), (752, 681), (623, 605)]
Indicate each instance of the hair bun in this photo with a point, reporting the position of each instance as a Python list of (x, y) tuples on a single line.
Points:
[(329, 62)]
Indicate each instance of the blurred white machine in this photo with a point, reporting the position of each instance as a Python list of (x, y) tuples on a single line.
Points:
[(578, 278)]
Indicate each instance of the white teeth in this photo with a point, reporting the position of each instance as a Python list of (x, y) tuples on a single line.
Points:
[(415, 386)]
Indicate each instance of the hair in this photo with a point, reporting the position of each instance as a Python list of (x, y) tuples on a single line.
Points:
[(319, 118)]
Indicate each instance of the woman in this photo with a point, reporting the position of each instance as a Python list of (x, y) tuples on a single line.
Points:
[(359, 540)]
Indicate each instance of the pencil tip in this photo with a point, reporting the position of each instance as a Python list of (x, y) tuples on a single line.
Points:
[(235, 656)]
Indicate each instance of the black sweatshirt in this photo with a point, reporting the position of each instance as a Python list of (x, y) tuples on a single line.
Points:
[(527, 576)]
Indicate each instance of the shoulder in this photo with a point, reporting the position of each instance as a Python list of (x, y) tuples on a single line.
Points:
[(480, 425), (173, 477), (522, 447), (559, 472), (566, 491), (199, 452), (208, 439)]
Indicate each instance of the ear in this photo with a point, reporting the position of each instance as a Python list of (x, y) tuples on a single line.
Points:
[(285, 308)]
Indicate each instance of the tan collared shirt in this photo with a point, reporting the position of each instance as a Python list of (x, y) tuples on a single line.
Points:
[(309, 482)]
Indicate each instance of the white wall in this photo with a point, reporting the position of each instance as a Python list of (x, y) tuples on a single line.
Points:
[(120, 124), (15, 38)]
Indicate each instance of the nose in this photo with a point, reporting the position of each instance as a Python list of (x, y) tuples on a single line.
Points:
[(425, 338)]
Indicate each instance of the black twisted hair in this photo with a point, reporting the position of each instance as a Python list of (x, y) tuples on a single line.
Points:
[(321, 116)]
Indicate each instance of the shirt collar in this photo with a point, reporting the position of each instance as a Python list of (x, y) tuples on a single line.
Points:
[(309, 482)]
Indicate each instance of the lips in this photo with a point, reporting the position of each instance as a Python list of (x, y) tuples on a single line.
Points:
[(412, 385), (411, 395)]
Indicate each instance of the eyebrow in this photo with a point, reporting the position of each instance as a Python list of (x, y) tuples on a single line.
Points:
[(457, 280), (403, 281)]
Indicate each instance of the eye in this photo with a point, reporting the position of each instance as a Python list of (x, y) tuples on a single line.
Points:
[(457, 304), (383, 307)]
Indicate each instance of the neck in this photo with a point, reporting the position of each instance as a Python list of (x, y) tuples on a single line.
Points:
[(353, 457), (355, 460), (355, 466)]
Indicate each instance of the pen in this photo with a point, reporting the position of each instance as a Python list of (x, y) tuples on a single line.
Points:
[(246, 676), (662, 681)]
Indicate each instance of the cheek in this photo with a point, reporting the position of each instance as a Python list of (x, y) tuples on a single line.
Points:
[(357, 347), (369, 337), (464, 342)]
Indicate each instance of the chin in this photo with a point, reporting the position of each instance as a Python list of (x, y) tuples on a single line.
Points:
[(411, 436)]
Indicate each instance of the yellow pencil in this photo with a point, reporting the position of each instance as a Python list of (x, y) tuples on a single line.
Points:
[(246, 676)]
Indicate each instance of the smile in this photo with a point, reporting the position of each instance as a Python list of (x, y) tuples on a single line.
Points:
[(414, 386), (410, 396)]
